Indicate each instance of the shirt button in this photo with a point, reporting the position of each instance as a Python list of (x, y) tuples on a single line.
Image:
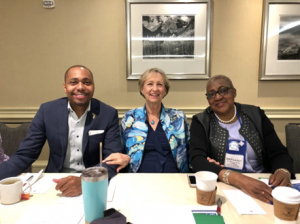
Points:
[(77, 136), (77, 150), (78, 164)]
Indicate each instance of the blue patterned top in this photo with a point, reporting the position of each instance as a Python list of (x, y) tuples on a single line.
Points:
[(134, 132)]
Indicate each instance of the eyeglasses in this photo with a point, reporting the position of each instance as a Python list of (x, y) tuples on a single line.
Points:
[(222, 92)]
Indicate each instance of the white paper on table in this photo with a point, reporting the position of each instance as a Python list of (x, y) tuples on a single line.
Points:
[(111, 188), (46, 182), (184, 214), (71, 200), (35, 178), (43, 185), (243, 203), (49, 214), (161, 214), (204, 209)]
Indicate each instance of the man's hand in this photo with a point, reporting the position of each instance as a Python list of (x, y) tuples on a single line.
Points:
[(69, 186), (117, 159)]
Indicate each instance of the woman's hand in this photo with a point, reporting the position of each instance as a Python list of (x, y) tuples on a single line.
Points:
[(214, 161), (253, 187), (117, 159), (280, 178)]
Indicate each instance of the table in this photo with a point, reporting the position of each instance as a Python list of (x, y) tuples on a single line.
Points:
[(135, 191)]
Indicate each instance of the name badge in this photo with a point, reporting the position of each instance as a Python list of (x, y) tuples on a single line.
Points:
[(234, 161)]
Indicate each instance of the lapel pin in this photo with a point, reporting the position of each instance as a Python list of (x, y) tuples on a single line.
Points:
[(93, 115)]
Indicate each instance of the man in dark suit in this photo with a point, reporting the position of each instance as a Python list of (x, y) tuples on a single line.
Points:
[(73, 126)]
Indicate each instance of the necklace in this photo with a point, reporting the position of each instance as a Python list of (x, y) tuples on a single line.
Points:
[(226, 122), (152, 120)]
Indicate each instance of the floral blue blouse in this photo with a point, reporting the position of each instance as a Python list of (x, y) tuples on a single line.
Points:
[(134, 132)]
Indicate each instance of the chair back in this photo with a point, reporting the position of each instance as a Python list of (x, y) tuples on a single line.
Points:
[(12, 137), (292, 133)]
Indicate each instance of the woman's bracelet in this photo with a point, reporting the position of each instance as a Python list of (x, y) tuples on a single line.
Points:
[(284, 170), (225, 176)]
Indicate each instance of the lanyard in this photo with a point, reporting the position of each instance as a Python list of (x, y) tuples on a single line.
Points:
[(236, 149)]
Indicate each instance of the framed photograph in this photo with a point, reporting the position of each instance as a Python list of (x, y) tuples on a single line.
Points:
[(280, 46), (172, 35)]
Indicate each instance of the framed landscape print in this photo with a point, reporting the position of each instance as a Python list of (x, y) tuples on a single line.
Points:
[(171, 35), (280, 47)]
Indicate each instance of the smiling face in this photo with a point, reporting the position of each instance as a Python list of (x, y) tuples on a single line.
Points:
[(154, 88), (79, 87), (222, 105)]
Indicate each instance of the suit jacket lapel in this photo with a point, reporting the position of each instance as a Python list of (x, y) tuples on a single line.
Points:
[(91, 117), (63, 125)]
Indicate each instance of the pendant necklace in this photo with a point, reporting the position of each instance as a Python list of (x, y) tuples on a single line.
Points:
[(152, 121), (226, 122)]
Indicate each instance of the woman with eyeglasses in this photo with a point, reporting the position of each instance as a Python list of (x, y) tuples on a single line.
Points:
[(239, 139)]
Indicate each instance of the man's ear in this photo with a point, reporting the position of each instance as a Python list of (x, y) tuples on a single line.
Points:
[(64, 87)]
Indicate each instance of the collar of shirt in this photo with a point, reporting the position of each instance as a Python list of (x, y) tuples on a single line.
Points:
[(74, 115)]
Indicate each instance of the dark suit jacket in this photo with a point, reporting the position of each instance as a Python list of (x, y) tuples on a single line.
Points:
[(51, 124)]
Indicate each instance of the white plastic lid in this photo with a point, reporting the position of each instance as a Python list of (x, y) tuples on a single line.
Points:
[(286, 195), (206, 175)]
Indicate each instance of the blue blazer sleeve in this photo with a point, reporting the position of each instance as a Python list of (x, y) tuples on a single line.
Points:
[(29, 149)]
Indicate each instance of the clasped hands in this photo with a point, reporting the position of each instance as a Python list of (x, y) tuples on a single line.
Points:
[(260, 190)]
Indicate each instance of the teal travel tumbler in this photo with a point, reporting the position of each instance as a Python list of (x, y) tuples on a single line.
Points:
[(94, 182)]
